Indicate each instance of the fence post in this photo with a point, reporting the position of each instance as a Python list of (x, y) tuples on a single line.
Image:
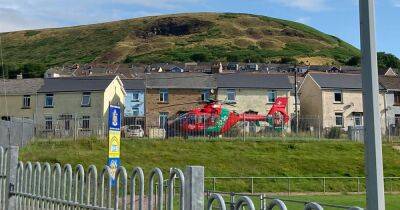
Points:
[(324, 184), (252, 185), (358, 185), (214, 183), (11, 174), (194, 188)]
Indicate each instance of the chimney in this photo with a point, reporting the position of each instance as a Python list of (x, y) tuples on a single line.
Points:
[(19, 76)]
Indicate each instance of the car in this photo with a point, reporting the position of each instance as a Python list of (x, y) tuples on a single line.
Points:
[(134, 131)]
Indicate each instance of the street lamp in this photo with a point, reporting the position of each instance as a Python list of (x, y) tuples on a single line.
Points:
[(372, 138)]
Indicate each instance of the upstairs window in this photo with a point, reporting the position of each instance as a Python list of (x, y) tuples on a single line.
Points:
[(271, 96), (396, 99), (338, 96), (135, 96), (49, 100), (231, 95), (85, 99), (164, 95), (26, 102)]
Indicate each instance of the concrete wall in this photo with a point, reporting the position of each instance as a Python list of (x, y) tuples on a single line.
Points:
[(69, 103), (254, 99), (15, 106), (352, 102)]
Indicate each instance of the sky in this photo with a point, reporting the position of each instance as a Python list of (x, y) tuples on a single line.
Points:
[(336, 17)]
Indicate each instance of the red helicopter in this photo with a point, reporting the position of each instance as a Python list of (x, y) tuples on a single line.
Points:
[(213, 119)]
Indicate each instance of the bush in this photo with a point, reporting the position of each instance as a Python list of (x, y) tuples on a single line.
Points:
[(334, 133), (199, 57)]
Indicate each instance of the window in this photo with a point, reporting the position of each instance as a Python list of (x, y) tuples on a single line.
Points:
[(358, 119), (164, 95), (205, 95), (48, 121), (271, 96), (85, 122), (338, 96), (85, 99), (49, 101), (163, 119), (396, 99), (26, 103), (397, 120), (67, 121), (339, 119), (135, 111), (231, 95), (135, 96)]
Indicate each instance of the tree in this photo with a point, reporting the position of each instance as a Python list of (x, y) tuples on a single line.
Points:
[(354, 61), (199, 57), (388, 60), (233, 58), (288, 60)]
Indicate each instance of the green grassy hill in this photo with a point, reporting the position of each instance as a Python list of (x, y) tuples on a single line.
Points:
[(176, 38)]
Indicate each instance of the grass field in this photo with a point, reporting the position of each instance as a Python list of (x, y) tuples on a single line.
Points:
[(230, 158)]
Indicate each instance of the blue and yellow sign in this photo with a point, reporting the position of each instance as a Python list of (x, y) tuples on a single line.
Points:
[(114, 140)]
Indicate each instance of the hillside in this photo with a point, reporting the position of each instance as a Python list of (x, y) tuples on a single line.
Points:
[(176, 38)]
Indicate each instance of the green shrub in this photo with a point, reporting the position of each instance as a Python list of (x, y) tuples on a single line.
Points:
[(334, 133)]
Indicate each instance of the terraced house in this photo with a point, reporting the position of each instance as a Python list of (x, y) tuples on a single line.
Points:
[(254, 92), (392, 102), (171, 94), (77, 106), (18, 98), (335, 100), (134, 112)]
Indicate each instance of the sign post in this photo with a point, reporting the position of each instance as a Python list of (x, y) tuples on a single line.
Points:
[(114, 140)]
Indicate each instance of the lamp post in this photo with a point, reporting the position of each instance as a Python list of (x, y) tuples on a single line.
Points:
[(372, 138)]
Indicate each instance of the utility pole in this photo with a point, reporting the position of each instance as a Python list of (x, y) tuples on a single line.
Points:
[(372, 137), (295, 99)]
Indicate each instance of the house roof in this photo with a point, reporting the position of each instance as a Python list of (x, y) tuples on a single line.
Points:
[(72, 84), (134, 84), (341, 81), (390, 82), (21, 86), (253, 80), (181, 80), (338, 80)]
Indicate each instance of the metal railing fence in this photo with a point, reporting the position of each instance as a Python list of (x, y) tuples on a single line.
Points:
[(263, 202), (289, 185)]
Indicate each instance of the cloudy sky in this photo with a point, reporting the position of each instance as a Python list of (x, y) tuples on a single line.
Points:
[(337, 17)]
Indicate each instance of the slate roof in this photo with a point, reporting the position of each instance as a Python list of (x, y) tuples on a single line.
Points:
[(72, 84), (21, 86), (253, 80), (181, 80), (134, 84), (338, 81), (390, 82)]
